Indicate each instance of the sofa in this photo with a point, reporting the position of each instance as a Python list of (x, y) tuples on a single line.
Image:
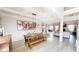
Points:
[(65, 34)]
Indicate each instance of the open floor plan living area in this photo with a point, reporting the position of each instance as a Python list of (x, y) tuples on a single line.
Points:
[(39, 29)]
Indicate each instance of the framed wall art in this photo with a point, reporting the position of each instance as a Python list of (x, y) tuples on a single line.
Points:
[(31, 25), (22, 25)]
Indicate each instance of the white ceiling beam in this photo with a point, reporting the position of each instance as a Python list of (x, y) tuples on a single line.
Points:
[(9, 15), (10, 10), (68, 18), (22, 14), (71, 11), (15, 12)]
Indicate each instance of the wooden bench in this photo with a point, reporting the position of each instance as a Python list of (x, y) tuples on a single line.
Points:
[(32, 40)]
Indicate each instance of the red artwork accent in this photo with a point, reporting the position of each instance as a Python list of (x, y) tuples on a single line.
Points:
[(24, 24), (32, 25)]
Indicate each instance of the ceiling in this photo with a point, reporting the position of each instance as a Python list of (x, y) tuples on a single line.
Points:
[(68, 8), (71, 14), (42, 14), (70, 22)]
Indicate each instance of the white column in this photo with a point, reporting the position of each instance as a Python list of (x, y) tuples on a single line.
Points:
[(60, 12), (61, 30)]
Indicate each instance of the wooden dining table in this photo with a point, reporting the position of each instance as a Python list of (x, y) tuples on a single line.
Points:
[(4, 43)]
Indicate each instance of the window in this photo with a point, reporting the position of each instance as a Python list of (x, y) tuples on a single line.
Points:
[(51, 27), (56, 28), (71, 27)]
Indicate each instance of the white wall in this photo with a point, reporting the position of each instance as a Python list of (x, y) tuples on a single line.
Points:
[(10, 27), (0, 20), (77, 41), (78, 32)]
